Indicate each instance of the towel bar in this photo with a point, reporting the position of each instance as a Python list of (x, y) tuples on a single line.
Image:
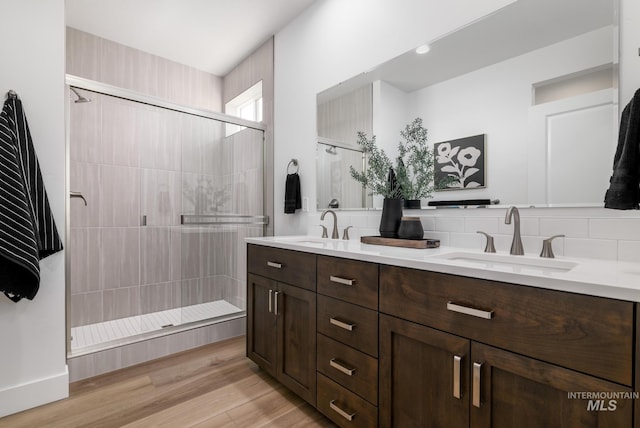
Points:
[(212, 219)]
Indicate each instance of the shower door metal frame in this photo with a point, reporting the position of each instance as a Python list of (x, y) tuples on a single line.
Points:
[(127, 94)]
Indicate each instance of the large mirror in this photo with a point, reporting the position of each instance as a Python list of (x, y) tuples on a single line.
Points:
[(538, 79), (332, 168)]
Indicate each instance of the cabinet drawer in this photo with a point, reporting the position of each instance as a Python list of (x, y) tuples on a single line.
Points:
[(590, 334), (292, 267), (348, 323), (352, 369), (344, 407), (349, 280)]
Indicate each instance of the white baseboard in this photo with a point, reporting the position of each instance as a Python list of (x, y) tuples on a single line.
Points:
[(33, 394)]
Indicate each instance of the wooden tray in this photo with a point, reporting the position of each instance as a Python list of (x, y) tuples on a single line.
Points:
[(397, 242)]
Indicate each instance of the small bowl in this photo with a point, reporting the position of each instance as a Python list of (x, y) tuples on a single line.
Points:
[(410, 228)]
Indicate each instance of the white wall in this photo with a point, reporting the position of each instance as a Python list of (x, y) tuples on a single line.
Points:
[(330, 42), (32, 333)]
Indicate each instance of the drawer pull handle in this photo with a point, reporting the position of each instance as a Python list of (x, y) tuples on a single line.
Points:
[(343, 281), (336, 365), (342, 324), (270, 304), (456, 376), (275, 305), (338, 410), (476, 384), (470, 311), (275, 265)]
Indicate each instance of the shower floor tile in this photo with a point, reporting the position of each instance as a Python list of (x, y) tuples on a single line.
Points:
[(93, 335)]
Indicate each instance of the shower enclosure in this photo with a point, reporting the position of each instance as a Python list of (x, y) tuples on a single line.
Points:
[(162, 197)]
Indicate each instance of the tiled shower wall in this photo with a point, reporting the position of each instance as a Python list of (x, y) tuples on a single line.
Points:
[(109, 62), (130, 160), (590, 232)]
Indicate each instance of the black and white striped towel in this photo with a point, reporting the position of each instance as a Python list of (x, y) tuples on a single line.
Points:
[(28, 232)]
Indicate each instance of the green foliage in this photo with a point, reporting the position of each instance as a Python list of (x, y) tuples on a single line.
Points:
[(376, 176), (414, 165)]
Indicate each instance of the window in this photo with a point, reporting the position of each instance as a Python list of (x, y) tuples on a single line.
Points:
[(247, 105)]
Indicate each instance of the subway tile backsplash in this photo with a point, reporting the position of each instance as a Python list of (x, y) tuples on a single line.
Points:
[(629, 251), (570, 227), (606, 249), (590, 232), (623, 228)]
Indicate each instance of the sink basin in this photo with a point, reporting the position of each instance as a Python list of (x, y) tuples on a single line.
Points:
[(508, 262), (308, 241), (318, 244)]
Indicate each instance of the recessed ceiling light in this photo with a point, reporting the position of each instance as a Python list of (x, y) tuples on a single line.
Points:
[(422, 49)]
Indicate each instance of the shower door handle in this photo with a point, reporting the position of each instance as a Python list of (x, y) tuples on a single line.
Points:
[(78, 195)]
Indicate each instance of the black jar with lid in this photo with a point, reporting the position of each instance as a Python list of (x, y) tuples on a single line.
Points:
[(410, 228)]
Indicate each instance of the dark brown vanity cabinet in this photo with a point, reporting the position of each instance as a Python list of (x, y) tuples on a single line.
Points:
[(396, 347), (464, 352), (347, 359), (281, 317), (436, 379), (514, 390), (424, 376)]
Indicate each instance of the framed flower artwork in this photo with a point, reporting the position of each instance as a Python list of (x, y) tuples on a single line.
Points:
[(460, 164)]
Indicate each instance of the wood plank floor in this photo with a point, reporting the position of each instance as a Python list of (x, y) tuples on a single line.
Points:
[(211, 386)]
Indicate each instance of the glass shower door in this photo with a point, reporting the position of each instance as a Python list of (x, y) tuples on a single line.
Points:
[(160, 243), (222, 203)]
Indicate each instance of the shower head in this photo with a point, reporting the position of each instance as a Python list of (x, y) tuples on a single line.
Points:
[(80, 99), (331, 150)]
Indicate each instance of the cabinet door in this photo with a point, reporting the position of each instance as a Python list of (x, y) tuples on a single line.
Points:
[(296, 315), (261, 322), (424, 376), (510, 390)]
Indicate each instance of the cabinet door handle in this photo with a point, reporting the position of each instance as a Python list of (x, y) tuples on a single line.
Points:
[(270, 304), (456, 376), (342, 324), (275, 265), (476, 384), (336, 365), (469, 311), (343, 281), (338, 410), (275, 303)]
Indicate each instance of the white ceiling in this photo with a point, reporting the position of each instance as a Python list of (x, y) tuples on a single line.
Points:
[(210, 35)]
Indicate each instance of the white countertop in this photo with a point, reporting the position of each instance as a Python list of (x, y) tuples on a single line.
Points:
[(604, 278)]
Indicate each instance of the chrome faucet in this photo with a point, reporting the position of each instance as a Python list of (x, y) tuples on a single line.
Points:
[(334, 233), (516, 244)]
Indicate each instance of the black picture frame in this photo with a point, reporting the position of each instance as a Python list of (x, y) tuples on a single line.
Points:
[(460, 164)]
